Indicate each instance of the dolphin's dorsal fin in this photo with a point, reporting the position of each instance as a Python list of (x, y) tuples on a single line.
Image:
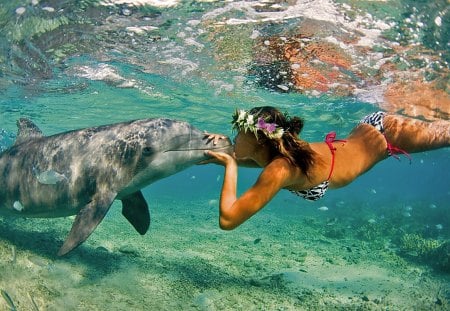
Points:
[(27, 130)]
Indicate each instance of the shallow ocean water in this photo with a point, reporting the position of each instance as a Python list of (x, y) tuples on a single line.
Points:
[(376, 246)]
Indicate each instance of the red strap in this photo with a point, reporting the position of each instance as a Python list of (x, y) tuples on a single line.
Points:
[(393, 151), (329, 140)]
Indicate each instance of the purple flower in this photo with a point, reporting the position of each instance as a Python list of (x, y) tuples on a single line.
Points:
[(261, 123), (269, 127)]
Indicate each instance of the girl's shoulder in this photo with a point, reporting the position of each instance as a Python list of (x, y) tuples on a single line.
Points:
[(282, 169)]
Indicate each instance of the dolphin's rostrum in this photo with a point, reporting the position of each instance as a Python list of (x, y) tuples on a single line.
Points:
[(83, 171)]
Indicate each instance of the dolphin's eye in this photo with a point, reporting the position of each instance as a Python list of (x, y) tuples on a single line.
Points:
[(146, 151)]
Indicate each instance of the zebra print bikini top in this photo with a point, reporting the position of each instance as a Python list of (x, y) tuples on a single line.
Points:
[(317, 192)]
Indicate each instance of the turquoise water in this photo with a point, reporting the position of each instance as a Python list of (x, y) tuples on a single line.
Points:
[(74, 64)]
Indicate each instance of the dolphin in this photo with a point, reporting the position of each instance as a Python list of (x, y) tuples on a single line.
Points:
[(82, 172)]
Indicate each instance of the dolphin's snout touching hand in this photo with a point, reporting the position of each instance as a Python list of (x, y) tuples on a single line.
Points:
[(215, 138), (221, 143)]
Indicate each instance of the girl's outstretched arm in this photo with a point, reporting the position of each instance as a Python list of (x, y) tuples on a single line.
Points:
[(233, 211)]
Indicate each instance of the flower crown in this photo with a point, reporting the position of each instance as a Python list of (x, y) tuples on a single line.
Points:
[(244, 121)]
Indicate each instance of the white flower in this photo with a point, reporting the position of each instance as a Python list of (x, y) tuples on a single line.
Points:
[(277, 134), (242, 115), (250, 120)]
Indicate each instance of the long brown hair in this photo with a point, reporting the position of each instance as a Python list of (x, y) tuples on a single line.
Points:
[(297, 151)]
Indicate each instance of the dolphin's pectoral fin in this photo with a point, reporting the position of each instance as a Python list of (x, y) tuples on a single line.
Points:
[(86, 221), (135, 209)]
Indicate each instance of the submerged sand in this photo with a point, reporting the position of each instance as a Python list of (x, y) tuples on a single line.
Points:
[(185, 262)]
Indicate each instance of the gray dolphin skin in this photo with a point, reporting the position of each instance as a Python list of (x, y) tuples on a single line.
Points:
[(82, 172)]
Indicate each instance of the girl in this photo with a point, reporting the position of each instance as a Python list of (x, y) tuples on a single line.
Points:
[(269, 139)]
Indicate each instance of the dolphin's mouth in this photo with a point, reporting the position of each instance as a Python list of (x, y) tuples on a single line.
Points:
[(198, 149)]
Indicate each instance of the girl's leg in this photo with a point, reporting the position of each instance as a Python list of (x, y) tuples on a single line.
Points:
[(414, 135)]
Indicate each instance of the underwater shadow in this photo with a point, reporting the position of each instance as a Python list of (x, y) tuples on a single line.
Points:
[(43, 243), (98, 261)]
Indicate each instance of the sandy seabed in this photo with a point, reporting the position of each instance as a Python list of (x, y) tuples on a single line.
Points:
[(185, 262)]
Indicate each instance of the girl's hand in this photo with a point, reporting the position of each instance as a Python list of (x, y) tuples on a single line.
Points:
[(214, 137), (221, 158)]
